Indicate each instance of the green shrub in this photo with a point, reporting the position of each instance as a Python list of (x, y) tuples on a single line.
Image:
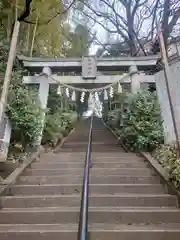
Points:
[(54, 100), (142, 126), (58, 121), (23, 107), (57, 125), (52, 129), (166, 155), (24, 112)]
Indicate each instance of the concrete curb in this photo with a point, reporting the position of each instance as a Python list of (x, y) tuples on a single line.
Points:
[(15, 174), (163, 173), (159, 169)]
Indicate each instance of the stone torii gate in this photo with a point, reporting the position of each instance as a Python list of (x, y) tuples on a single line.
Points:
[(89, 71)]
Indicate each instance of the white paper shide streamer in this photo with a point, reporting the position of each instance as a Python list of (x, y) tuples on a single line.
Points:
[(90, 99), (73, 97), (111, 92), (96, 96), (119, 88), (105, 95), (59, 90), (107, 92), (67, 92), (82, 97)]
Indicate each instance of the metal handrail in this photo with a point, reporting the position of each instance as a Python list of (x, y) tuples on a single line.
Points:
[(83, 217)]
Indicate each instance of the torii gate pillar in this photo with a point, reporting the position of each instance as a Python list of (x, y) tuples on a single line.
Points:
[(43, 97), (135, 80)]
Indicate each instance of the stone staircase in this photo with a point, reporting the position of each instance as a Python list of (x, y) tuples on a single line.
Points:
[(127, 199)]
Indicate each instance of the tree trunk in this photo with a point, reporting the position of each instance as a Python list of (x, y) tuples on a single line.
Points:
[(28, 37), (165, 21), (9, 22), (34, 35), (131, 34)]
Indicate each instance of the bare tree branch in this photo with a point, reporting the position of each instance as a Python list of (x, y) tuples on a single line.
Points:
[(131, 23)]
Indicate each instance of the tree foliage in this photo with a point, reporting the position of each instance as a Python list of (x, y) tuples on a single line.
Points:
[(24, 111), (51, 36), (48, 38), (80, 42), (23, 107), (79, 34), (58, 125), (60, 118)]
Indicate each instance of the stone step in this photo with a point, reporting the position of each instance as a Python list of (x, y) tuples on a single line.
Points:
[(94, 188), (97, 149), (95, 200), (94, 145), (126, 198), (120, 154), (96, 214), (56, 165), (67, 159), (124, 155), (81, 158), (99, 143), (94, 171), (110, 179), (96, 231)]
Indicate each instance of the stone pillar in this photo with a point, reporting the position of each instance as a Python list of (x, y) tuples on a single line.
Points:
[(162, 93), (135, 80), (161, 89), (43, 97), (5, 138)]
